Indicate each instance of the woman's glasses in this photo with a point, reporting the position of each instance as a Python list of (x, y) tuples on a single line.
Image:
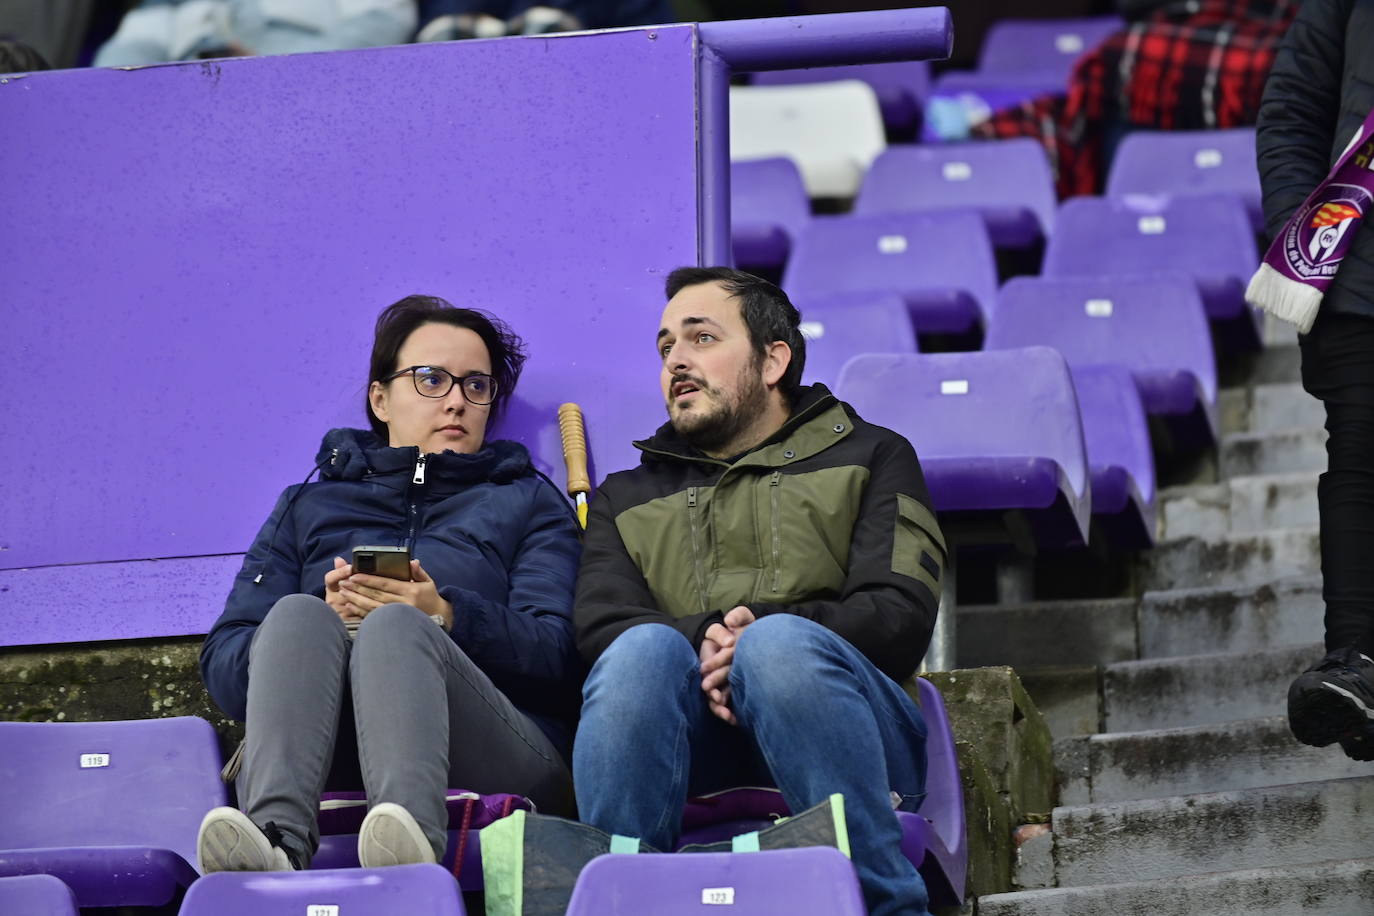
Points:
[(433, 382)]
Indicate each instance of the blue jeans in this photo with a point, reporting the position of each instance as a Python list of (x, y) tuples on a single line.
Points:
[(815, 717)]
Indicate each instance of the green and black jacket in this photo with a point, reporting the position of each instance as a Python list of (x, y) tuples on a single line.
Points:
[(828, 519)]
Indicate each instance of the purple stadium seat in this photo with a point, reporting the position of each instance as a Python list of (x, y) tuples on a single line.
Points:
[(814, 879), (1206, 236), (110, 808), (768, 208), (1016, 47), (941, 264), (1121, 464), (36, 895), (1187, 162), (1007, 181), (996, 431), (839, 327), (427, 889), (933, 839), (1154, 326), (901, 86)]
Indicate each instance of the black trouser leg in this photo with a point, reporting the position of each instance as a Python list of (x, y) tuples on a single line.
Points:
[(1338, 368)]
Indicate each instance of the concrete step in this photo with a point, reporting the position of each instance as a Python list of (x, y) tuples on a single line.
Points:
[(1047, 633), (1217, 831), (1231, 562), (1194, 621), (1273, 452), (1340, 888), (1274, 408), (1261, 407), (1271, 365), (1203, 758), (1242, 505), (1201, 689)]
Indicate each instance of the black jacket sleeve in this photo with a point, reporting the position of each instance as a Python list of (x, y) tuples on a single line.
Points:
[(1299, 110), (612, 595), (896, 563)]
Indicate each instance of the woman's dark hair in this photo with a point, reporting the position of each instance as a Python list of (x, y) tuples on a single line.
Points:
[(400, 319), (17, 57), (768, 314)]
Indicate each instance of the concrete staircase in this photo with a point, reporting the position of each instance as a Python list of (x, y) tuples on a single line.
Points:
[(1180, 787)]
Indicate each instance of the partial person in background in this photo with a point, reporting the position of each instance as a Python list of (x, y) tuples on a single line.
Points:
[(1320, 93), (448, 20), (462, 674), (1187, 65), (167, 30)]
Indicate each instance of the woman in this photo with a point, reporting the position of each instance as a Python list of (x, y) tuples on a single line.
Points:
[(466, 675)]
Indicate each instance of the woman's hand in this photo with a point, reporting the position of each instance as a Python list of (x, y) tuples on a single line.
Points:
[(363, 594), (334, 596)]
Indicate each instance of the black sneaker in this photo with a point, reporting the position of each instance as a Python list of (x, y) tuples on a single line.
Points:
[(1359, 746), (1334, 701)]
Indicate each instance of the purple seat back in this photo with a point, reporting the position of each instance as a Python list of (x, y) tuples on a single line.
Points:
[(1189, 162), (144, 782), (111, 808), (1049, 46), (901, 86), (427, 889), (941, 264), (1155, 326), (768, 208), (995, 430), (36, 895), (1007, 181), (959, 100), (944, 803), (1208, 237), (620, 400), (839, 327), (814, 879), (1116, 436)]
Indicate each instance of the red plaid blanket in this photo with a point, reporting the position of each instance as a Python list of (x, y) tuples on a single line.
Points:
[(1191, 65)]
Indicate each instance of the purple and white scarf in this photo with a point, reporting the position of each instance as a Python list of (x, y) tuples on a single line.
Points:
[(1299, 266)]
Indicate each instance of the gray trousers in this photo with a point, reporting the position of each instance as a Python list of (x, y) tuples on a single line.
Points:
[(427, 719)]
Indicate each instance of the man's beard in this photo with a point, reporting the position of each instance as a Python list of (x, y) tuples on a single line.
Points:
[(728, 417)]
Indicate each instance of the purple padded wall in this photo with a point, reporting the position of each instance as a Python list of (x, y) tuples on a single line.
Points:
[(192, 244)]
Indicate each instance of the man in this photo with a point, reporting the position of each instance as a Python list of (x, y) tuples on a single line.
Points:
[(751, 595)]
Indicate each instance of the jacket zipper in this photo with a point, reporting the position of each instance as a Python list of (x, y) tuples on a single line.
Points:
[(696, 546), (775, 488), (417, 480)]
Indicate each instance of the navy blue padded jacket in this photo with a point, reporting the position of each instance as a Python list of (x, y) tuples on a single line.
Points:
[(498, 540)]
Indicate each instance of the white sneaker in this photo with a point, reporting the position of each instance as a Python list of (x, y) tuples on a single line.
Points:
[(390, 836), (229, 841)]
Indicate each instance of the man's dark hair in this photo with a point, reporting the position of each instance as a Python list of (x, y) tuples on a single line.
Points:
[(768, 314), (400, 319)]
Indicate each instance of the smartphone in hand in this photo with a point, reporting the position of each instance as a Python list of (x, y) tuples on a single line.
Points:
[(390, 562)]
